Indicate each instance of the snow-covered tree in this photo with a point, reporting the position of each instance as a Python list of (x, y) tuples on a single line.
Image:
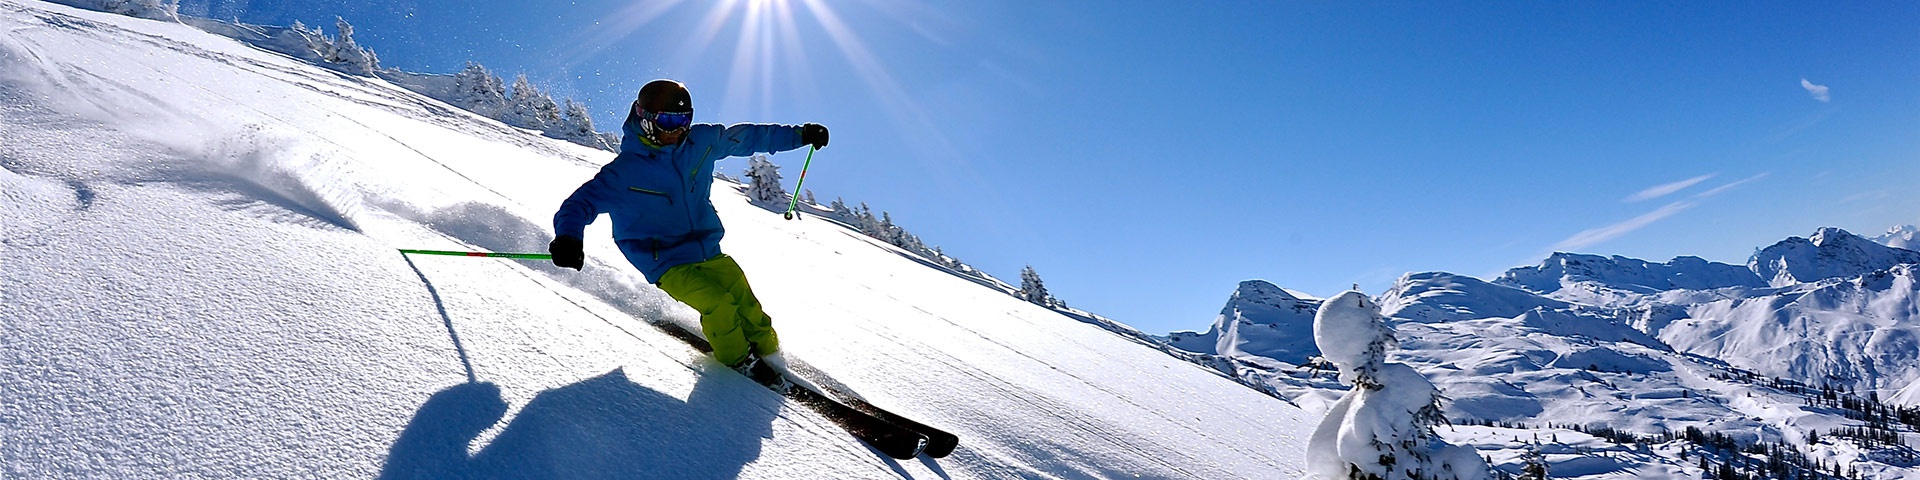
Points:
[(1534, 465), (347, 54), (531, 108), (764, 182), (577, 126), (341, 53), (886, 230), (479, 91), (1032, 289), (868, 224), (299, 41), (1383, 427)]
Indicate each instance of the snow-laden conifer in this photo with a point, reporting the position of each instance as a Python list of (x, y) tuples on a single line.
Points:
[(479, 91), (1383, 428), (763, 185), (347, 54), (1032, 289), (577, 126), (531, 108)]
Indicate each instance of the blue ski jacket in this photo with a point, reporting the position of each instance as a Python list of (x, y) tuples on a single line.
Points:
[(659, 197)]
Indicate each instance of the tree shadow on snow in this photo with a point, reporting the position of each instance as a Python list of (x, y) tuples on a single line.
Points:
[(603, 427)]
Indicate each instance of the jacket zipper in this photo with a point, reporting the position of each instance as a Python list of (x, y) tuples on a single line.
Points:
[(653, 192), (686, 185)]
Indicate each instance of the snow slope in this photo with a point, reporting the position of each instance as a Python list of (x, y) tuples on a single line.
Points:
[(199, 279)]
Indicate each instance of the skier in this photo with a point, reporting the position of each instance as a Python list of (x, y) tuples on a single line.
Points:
[(657, 192)]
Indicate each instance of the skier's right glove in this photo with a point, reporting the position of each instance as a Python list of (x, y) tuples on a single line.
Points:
[(566, 252)]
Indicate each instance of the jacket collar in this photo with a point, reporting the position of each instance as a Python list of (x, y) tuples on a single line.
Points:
[(634, 141)]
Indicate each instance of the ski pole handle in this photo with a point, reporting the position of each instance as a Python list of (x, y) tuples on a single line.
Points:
[(524, 256)]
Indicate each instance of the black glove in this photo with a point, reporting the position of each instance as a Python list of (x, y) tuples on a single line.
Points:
[(566, 252), (814, 134)]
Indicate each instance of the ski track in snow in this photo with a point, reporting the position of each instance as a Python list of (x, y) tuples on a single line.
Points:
[(200, 281)]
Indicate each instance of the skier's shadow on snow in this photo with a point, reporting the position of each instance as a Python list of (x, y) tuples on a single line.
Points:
[(603, 427)]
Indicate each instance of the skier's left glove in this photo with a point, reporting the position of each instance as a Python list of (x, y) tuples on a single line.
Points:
[(814, 134), (567, 252)]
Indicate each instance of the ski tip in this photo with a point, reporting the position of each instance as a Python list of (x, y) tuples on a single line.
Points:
[(940, 449)]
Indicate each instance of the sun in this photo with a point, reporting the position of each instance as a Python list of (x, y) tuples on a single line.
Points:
[(771, 50)]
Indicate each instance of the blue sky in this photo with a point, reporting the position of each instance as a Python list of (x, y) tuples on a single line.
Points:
[(1145, 159)]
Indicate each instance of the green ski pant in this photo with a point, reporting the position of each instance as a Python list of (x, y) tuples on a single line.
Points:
[(729, 314)]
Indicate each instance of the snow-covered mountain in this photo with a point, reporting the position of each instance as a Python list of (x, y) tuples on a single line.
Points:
[(1902, 236), (1260, 321), (199, 279), (1563, 270), (1633, 352), (1829, 253)]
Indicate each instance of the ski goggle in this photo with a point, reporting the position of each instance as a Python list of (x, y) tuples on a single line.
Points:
[(667, 122)]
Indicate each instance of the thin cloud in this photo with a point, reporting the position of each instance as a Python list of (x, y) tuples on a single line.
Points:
[(1819, 92), (1662, 190), (1723, 188), (1591, 237), (1584, 239), (1873, 195)]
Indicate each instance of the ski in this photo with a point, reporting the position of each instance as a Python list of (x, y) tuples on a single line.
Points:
[(890, 438), (893, 440), (940, 443)]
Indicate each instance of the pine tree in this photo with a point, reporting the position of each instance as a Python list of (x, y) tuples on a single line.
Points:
[(1535, 466), (868, 225), (889, 232), (479, 91), (764, 187), (577, 127), (348, 54), (531, 108), (1032, 289)]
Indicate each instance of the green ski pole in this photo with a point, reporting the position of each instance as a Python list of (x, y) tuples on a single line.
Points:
[(526, 256), (794, 205)]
